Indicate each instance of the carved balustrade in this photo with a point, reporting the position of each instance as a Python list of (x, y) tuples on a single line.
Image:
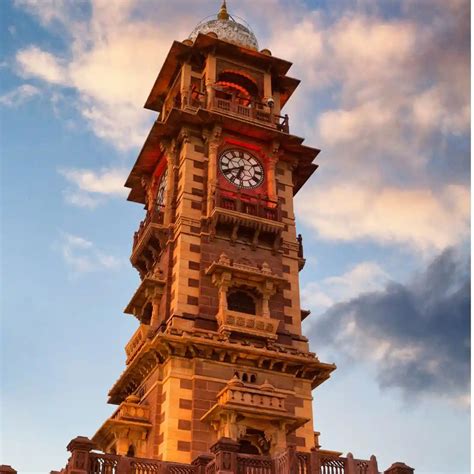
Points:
[(240, 107), (252, 205), (136, 342), (225, 459), (103, 463), (131, 411), (251, 397), (252, 464), (255, 111), (233, 321), (155, 216)]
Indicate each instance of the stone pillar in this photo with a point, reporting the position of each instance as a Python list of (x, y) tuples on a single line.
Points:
[(210, 79), (267, 291), (315, 461), (201, 462), (185, 86), (399, 468), (214, 143), (155, 313), (271, 171), (79, 448), (373, 468), (225, 451), (170, 149), (350, 467), (267, 85), (292, 460)]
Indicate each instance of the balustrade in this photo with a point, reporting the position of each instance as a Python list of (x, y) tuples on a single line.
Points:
[(103, 463), (155, 216), (286, 462), (252, 464), (248, 204), (131, 411), (255, 110), (241, 322), (136, 342)]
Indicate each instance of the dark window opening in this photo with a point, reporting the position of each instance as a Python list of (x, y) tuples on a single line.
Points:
[(246, 447), (146, 317), (242, 302), (131, 451)]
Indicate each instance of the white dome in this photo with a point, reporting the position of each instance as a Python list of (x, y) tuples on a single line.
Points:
[(227, 29)]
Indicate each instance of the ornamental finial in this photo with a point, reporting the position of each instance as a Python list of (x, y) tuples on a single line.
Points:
[(223, 14)]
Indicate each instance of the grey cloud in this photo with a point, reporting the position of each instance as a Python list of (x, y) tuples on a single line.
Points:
[(417, 334)]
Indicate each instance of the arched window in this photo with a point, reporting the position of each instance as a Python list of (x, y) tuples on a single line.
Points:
[(241, 301), (131, 451), (147, 312)]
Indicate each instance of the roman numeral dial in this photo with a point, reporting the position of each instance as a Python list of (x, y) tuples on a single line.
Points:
[(161, 193), (241, 168)]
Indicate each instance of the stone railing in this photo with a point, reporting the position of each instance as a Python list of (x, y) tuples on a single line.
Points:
[(130, 410), (249, 323), (225, 459), (264, 398), (136, 342), (255, 111), (248, 204), (156, 216)]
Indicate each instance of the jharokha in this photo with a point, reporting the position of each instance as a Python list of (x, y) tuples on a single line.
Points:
[(218, 375)]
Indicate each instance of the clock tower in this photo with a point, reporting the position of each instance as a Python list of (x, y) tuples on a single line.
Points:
[(218, 351)]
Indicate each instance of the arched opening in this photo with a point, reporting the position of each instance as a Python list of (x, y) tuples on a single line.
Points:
[(241, 301), (247, 447), (147, 311), (241, 79), (238, 87), (131, 451)]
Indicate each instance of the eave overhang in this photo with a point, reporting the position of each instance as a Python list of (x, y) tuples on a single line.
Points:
[(151, 152), (208, 346), (203, 45)]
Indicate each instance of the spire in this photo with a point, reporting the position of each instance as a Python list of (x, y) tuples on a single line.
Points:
[(223, 14)]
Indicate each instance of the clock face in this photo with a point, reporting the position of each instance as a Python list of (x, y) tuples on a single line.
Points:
[(161, 194), (241, 168)]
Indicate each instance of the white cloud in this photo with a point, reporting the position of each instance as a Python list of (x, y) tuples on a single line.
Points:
[(82, 256), (361, 278), (46, 10), (91, 187), (418, 217), (33, 62), (113, 61), (19, 96)]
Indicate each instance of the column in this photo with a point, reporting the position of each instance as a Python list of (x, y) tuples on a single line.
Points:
[(215, 141)]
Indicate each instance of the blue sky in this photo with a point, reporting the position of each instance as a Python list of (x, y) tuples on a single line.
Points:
[(385, 220)]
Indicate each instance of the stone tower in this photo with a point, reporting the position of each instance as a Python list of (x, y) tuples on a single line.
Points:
[(219, 350)]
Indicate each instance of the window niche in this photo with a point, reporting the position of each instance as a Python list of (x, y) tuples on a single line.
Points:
[(241, 301)]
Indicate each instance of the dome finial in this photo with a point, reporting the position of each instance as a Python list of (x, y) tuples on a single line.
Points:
[(223, 14)]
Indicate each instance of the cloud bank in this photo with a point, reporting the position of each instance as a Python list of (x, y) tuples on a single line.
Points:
[(417, 335)]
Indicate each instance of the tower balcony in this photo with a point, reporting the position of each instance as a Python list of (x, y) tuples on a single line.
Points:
[(149, 240), (235, 321), (136, 342), (256, 413), (130, 423), (234, 106), (248, 217), (255, 111)]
